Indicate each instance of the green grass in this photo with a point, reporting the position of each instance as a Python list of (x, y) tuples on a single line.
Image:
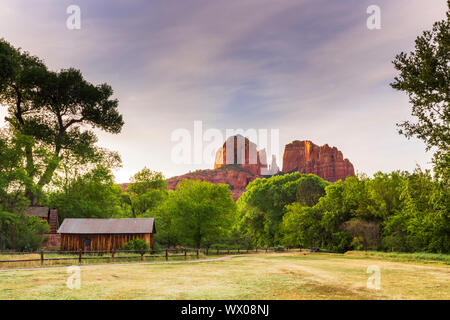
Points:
[(255, 276)]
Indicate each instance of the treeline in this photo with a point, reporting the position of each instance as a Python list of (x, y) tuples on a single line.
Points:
[(399, 211)]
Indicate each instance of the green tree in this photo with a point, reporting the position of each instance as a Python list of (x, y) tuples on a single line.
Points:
[(92, 195), (147, 190), (53, 108), (13, 178), (425, 77), (302, 226), (203, 211), (165, 216), (267, 198), (310, 189), (364, 232), (423, 223)]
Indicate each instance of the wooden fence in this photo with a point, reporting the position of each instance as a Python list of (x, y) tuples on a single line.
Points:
[(118, 255)]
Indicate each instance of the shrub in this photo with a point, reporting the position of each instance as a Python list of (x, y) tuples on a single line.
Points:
[(20, 232), (136, 245)]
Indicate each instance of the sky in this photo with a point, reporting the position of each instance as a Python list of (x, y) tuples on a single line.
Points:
[(310, 69)]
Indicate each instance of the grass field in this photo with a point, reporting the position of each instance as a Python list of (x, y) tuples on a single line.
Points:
[(256, 276)]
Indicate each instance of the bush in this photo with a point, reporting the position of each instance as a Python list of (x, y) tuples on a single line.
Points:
[(136, 245), (340, 242), (20, 232)]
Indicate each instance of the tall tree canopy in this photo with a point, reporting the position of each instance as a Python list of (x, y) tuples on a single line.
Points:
[(54, 109), (264, 204), (202, 211), (425, 77), (146, 191)]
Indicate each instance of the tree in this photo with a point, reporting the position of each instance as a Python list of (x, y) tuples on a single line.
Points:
[(93, 195), (53, 108), (310, 189), (13, 177), (423, 221), (302, 226), (364, 232), (147, 190), (165, 216), (266, 199), (203, 211), (425, 77)]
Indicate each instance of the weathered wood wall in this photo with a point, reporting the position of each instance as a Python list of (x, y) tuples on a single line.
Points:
[(107, 242)]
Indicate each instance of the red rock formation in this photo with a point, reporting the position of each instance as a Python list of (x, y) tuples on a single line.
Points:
[(326, 162), (236, 177), (244, 164), (238, 150)]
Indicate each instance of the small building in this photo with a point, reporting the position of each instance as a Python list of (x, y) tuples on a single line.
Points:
[(46, 214), (104, 234)]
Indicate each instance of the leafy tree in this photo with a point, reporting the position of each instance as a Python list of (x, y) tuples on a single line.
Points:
[(264, 203), (425, 77), (423, 223), (147, 190), (384, 191), (367, 233), (13, 177), (165, 216), (252, 223), (310, 189), (203, 211), (302, 226), (267, 199), (146, 180), (93, 195), (53, 107)]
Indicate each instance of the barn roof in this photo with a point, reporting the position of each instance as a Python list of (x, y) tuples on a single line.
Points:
[(37, 212), (107, 226)]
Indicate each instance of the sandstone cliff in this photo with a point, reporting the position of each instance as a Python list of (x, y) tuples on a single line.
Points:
[(244, 163), (325, 161), (239, 150)]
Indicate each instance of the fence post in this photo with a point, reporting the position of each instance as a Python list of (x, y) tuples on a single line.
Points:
[(79, 256), (185, 254), (42, 257), (112, 254), (198, 252), (142, 255), (167, 254)]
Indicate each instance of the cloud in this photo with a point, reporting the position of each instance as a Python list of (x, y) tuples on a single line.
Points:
[(309, 68)]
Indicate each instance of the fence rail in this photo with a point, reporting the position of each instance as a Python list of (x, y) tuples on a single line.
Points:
[(114, 255)]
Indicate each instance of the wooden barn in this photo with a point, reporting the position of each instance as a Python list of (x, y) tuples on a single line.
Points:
[(104, 234), (46, 214)]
